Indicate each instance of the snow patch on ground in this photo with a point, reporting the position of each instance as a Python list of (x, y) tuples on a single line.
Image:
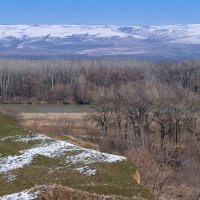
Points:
[(91, 156), (10, 177), (52, 148), (86, 171), (26, 138), (25, 195), (31, 138), (8, 138)]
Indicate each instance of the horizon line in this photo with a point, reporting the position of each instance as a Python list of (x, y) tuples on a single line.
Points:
[(82, 24)]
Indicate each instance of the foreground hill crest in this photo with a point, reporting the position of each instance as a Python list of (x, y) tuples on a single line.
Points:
[(28, 159)]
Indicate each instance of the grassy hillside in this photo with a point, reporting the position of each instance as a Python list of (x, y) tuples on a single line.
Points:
[(27, 160)]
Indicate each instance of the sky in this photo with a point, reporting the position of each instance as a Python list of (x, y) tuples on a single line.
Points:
[(108, 12)]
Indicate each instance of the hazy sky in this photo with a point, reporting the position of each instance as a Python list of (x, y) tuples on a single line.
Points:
[(120, 12)]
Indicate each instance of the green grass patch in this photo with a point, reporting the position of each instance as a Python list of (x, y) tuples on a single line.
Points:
[(110, 179), (9, 126), (13, 148)]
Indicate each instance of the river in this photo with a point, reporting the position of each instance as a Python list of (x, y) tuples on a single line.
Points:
[(50, 108)]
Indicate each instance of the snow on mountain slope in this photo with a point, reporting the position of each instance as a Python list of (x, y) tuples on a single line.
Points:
[(176, 33), (100, 40), (60, 31)]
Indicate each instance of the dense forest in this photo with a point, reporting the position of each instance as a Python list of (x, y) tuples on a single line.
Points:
[(148, 111), (79, 81)]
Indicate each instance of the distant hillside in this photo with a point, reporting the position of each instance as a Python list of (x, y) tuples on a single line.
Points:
[(58, 41)]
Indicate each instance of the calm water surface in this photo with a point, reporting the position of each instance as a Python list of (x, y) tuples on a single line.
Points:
[(51, 108)]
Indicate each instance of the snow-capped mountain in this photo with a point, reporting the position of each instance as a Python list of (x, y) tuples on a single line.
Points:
[(172, 41)]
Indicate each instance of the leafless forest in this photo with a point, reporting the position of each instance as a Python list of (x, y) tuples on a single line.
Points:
[(79, 81), (147, 111)]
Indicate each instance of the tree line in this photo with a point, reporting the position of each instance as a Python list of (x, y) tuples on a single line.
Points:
[(136, 111), (78, 81)]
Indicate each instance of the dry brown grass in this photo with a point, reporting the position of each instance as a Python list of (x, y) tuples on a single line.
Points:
[(71, 127), (64, 193), (45, 119), (74, 124), (166, 178)]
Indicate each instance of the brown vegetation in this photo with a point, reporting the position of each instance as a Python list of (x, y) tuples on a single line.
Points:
[(148, 111), (67, 81), (64, 193), (157, 127)]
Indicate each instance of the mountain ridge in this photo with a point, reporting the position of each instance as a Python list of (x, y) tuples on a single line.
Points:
[(166, 41)]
